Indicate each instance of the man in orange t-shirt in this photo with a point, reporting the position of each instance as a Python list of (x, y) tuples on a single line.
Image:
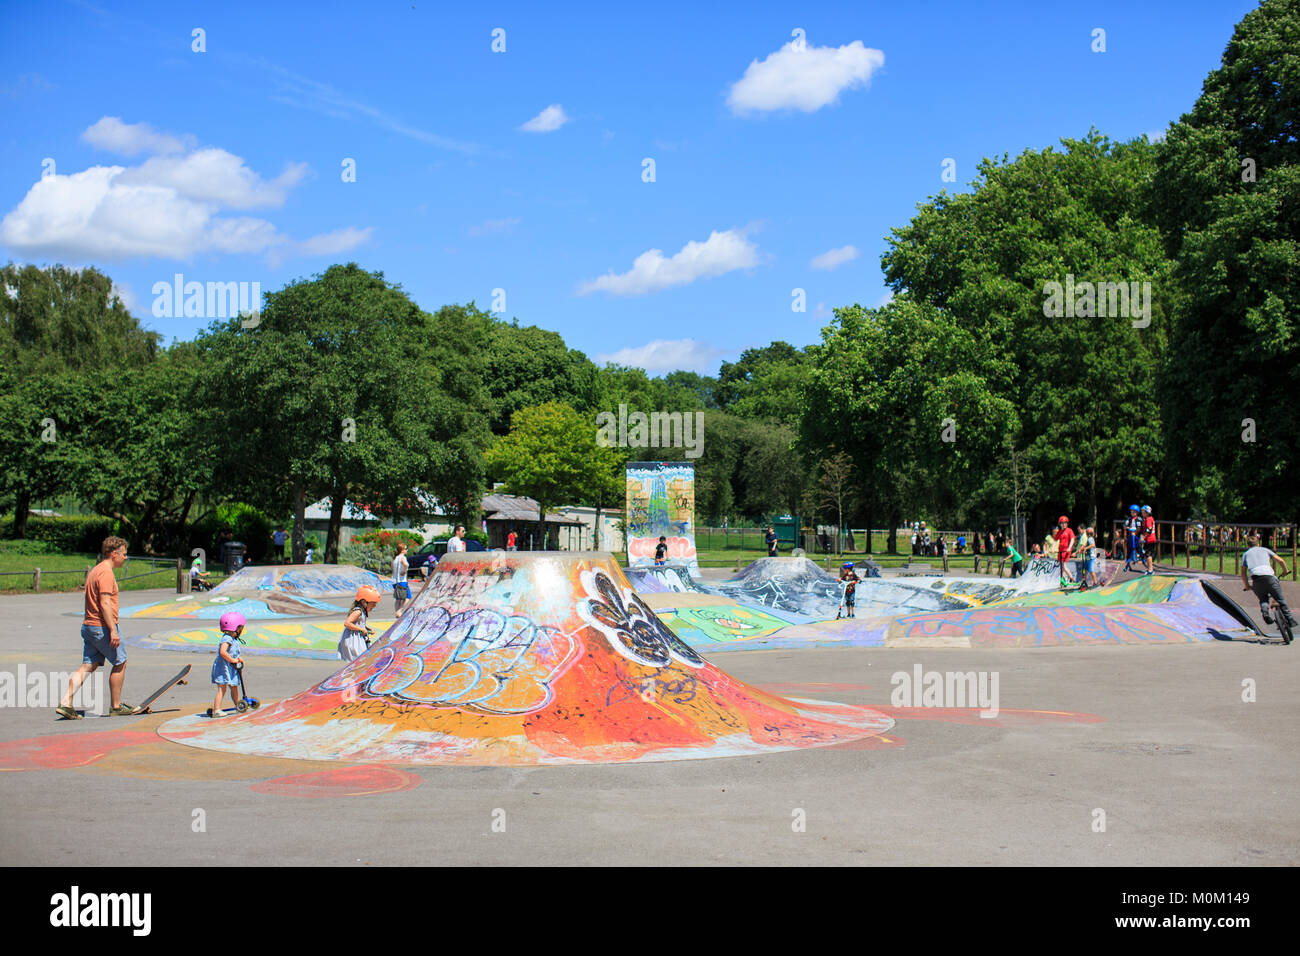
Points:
[(101, 641)]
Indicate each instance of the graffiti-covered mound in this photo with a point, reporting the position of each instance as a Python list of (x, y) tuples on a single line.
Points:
[(268, 592), (515, 658)]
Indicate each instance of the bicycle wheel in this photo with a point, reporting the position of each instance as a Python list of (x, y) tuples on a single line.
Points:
[(1283, 625)]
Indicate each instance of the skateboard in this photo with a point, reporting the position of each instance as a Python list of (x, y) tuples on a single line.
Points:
[(178, 679)]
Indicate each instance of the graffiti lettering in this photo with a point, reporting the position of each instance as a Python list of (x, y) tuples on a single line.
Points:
[(476, 659), (681, 691)]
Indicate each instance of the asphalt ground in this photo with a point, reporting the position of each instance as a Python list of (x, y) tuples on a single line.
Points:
[(1105, 755)]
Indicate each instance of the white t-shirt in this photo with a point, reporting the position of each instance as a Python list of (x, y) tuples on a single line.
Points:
[(456, 544), (1257, 561), (400, 564)]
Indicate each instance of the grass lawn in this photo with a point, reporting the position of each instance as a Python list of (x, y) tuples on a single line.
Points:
[(16, 572)]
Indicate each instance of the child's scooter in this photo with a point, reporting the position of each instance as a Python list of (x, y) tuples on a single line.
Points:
[(245, 702)]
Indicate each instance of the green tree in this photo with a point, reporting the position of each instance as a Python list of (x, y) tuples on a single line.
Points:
[(347, 390), (765, 383), (914, 399), (156, 448), (59, 329), (551, 455), (1227, 196), (1083, 385)]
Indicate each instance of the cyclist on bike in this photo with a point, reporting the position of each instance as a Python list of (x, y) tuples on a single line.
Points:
[(1257, 575)]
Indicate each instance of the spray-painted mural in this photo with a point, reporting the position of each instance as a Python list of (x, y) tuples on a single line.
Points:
[(516, 659), (660, 501)]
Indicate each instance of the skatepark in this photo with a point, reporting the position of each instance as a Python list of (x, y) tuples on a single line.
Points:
[(538, 707)]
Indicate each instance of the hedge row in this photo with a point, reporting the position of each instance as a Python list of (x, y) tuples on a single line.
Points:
[(82, 534)]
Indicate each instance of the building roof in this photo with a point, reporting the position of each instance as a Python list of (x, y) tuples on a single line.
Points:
[(499, 507)]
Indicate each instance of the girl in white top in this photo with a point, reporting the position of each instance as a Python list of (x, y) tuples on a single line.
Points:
[(356, 634)]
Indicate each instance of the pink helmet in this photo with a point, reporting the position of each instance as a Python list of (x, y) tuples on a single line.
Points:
[(231, 621)]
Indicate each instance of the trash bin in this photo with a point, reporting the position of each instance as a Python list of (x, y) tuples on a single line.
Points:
[(234, 556)]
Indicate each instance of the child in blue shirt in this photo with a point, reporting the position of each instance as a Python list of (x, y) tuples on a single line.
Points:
[(225, 669)]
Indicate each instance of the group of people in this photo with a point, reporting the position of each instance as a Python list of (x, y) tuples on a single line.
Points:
[(1140, 538), (1064, 546)]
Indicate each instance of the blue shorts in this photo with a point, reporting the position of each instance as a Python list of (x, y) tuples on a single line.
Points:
[(97, 647), (1088, 566), (401, 590)]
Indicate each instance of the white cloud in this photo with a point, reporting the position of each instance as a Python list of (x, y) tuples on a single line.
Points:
[(549, 119), (494, 227), (667, 355), (334, 243), (129, 139), (806, 78), (835, 258), (168, 207), (885, 299), (722, 252), (214, 175)]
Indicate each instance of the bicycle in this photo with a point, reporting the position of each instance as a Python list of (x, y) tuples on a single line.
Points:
[(1280, 619), (1276, 612)]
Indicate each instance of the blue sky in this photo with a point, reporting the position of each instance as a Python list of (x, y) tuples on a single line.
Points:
[(522, 170)]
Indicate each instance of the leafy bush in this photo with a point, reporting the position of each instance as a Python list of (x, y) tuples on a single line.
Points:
[(387, 539), (376, 549), (363, 555), (72, 534), (246, 523)]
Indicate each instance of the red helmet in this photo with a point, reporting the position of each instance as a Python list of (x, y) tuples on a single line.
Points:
[(367, 593), (1063, 520)]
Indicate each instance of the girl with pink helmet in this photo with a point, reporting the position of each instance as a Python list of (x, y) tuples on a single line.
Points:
[(225, 669)]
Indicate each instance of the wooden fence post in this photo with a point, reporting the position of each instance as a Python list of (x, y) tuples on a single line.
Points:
[(1001, 565), (180, 575), (977, 565), (89, 568), (36, 580)]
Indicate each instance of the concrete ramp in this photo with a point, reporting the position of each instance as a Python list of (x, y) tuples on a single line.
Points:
[(513, 658), (1179, 612), (269, 592)]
